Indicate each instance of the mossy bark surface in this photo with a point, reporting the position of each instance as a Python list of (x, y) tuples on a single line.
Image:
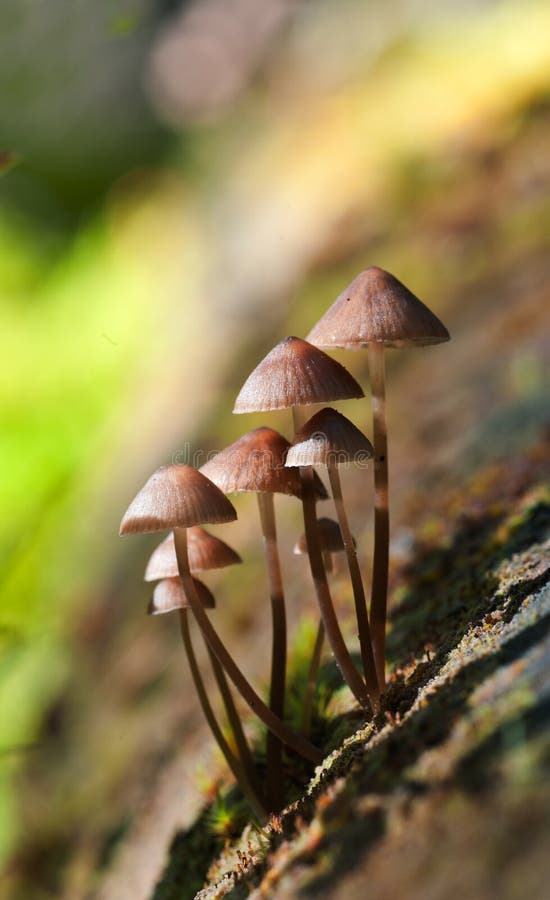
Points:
[(448, 789)]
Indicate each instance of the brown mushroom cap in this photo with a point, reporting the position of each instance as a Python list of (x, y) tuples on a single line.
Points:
[(256, 462), (205, 552), (329, 535), (377, 308), (295, 373), (329, 438), (169, 595), (176, 496)]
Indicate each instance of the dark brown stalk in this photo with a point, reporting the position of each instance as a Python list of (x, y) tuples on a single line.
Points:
[(379, 590), (334, 635), (232, 761), (237, 729), (289, 737), (274, 749), (363, 629), (338, 645), (312, 674)]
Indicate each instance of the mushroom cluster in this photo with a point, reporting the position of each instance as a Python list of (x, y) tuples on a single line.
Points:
[(376, 311)]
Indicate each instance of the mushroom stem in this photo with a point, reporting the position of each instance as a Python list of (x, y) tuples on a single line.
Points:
[(274, 749), (289, 737), (338, 646), (363, 629), (210, 717), (233, 717), (312, 674), (379, 589)]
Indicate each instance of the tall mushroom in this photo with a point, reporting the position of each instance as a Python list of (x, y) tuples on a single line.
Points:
[(292, 375), (256, 463), (374, 312), (169, 596), (206, 552), (178, 497), (330, 439)]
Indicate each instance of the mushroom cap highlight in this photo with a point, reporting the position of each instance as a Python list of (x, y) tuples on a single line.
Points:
[(205, 552), (169, 595), (377, 308), (176, 496), (329, 438), (295, 373), (256, 462), (329, 535)]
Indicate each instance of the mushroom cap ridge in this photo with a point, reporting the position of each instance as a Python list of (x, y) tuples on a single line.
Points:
[(204, 549), (329, 438), (377, 308), (169, 595), (256, 462), (295, 373), (176, 496), (329, 535)]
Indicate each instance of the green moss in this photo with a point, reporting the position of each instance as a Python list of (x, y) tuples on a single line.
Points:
[(191, 852)]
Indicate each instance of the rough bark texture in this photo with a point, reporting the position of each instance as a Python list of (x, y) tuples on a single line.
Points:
[(448, 791)]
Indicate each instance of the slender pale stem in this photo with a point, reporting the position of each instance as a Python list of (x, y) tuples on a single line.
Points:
[(274, 750), (289, 737), (233, 717), (312, 674), (230, 758), (338, 646), (363, 629), (379, 588)]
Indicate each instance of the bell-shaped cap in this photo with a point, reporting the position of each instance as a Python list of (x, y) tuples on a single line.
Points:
[(169, 595), (295, 373), (205, 551), (377, 308), (176, 496), (329, 438), (256, 462), (329, 535)]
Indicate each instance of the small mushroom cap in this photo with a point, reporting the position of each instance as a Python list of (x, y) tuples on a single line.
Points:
[(176, 496), (329, 438), (169, 596), (329, 535), (377, 308), (256, 462), (205, 552), (295, 373)]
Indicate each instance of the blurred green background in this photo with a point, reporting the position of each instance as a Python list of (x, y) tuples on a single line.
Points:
[(182, 185)]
